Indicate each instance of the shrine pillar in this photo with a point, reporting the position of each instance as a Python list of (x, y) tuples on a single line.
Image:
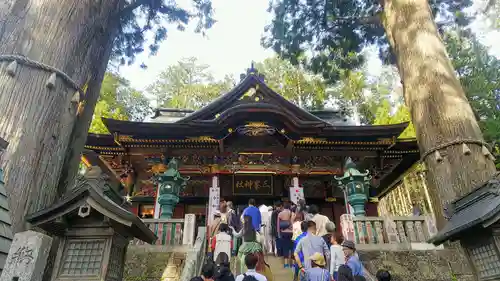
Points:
[(157, 204)]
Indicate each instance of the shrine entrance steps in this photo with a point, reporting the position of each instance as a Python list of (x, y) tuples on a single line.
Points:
[(279, 273)]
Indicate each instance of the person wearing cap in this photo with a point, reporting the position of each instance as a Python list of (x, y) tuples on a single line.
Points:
[(317, 272), (352, 259)]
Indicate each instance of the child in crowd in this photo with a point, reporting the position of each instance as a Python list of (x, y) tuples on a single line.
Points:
[(337, 255)]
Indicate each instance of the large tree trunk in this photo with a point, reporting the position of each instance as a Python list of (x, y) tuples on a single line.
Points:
[(41, 125), (439, 108)]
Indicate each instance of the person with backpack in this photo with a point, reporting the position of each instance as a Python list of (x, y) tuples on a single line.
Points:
[(222, 242), (251, 245), (253, 212), (251, 274), (309, 245), (285, 231)]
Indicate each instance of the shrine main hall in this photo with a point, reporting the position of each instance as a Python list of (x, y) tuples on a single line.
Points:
[(252, 143)]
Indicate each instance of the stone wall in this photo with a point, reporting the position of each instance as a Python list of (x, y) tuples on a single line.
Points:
[(154, 263), (437, 265)]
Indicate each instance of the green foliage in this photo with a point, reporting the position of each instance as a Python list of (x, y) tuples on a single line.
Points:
[(327, 36), (297, 86), (490, 13), (480, 77), (141, 19), (188, 85), (119, 101), (402, 115)]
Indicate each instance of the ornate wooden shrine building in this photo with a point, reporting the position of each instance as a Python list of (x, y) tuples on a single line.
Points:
[(254, 141)]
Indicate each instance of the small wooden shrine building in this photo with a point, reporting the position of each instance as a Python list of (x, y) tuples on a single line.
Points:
[(253, 142)]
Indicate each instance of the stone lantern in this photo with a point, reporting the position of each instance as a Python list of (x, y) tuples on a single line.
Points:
[(356, 185), (171, 183)]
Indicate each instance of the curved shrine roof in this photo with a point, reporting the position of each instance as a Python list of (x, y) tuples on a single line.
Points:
[(252, 101)]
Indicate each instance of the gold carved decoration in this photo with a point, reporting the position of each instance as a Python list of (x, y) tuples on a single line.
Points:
[(158, 168), (125, 138), (311, 140), (257, 125), (254, 129), (202, 138)]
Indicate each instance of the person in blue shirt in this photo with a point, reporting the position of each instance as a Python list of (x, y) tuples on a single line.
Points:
[(303, 228), (352, 258), (253, 212)]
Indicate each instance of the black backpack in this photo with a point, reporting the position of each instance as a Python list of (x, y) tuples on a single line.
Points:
[(249, 277)]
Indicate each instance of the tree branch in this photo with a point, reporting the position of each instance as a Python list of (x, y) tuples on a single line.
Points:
[(131, 7), (375, 19)]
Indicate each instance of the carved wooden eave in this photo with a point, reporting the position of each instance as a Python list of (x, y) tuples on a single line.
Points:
[(478, 209), (87, 194)]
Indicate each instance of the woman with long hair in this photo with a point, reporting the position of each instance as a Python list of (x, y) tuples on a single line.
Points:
[(251, 245)]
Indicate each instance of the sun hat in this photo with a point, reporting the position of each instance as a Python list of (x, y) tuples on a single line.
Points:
[(349, 244), (318, 259)]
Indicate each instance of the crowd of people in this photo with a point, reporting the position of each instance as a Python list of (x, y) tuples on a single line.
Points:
[(305, 240)]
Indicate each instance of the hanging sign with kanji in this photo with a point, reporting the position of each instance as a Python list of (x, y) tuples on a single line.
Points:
[(252, 185)]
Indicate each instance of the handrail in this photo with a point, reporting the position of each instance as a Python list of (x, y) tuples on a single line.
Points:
[(162, 220), (195, 257)]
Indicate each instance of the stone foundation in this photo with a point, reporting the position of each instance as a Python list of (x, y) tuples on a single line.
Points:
[(437, 265), (154, 263)]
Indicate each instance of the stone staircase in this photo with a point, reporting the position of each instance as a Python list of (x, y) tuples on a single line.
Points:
[(279, 273)]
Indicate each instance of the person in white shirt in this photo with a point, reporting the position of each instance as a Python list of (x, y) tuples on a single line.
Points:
[(266, 226), (337, 256), (222, 242), (251, 263), (319, 219)]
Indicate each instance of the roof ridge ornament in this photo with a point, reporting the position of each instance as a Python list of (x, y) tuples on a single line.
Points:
[(253, 71)]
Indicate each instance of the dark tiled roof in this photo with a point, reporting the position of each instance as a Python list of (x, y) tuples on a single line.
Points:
[(77, 197), (478, 208)]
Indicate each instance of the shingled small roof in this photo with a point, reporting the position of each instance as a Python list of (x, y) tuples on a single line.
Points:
[(88, 194), (480, 208)]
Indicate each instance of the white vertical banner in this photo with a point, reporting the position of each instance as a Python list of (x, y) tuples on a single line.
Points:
[(296, 191), (157, 204), (214, 199)]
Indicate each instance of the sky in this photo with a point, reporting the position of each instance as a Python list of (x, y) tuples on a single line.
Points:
[(231, 44), (229, 47)]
